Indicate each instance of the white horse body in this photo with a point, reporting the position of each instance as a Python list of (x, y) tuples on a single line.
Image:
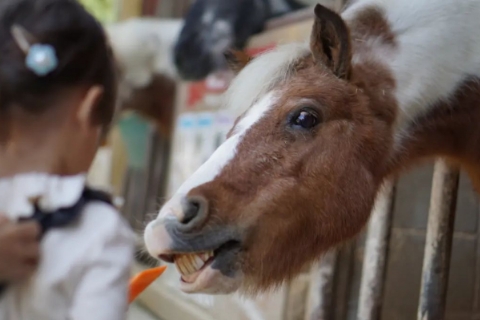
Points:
[(437, 49), (144, 47)]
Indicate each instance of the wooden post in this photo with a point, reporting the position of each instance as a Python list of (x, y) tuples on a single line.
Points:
[(376, 253), (438, 246), (296, 292), (323, 283)]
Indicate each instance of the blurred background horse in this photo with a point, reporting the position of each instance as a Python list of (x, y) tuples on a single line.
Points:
[(154, 53), (213, 26), (143, 49)]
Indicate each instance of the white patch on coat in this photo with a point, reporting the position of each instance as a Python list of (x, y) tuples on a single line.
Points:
[(437, 49)]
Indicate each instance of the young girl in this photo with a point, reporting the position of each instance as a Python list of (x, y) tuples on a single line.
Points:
[(57, 97)]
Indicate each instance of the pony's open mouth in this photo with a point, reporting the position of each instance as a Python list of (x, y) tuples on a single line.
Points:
[(191, 265), (195, 265)]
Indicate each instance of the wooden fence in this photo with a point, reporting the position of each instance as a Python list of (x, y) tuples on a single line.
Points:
[(437, 249)]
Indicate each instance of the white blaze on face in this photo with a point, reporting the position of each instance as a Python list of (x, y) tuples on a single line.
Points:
[(226, 152), (256, 113), (221, 157), (212, 167)]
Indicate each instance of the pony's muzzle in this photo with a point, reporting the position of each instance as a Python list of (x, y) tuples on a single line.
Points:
[(176, 220)]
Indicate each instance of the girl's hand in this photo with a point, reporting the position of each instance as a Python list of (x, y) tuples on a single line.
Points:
[(19, 249)]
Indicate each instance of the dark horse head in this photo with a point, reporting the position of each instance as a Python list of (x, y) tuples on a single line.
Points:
[(213, 26)]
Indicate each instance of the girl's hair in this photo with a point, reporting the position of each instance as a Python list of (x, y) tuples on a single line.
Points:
[(84, 56)]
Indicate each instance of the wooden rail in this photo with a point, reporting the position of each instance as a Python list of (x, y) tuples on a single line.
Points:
[(376, 253), (436, 262), (325, 286), (437, 248)]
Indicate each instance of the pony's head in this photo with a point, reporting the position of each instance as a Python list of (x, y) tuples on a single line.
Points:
[(297, 175)]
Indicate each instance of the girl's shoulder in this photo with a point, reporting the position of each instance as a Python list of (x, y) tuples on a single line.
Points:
[(102, 220)]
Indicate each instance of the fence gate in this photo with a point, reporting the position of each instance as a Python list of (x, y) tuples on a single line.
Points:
[(436, 260)]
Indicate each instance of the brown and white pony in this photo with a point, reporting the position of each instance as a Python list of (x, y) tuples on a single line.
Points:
[(379, 88)]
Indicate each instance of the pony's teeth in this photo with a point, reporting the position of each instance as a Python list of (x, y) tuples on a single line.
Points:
[(193, 264), (188, 264), (180, 266), (198, 262), (205, 256)]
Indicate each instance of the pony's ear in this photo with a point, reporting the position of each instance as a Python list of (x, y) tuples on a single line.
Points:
[(237, 60), (330, 42)]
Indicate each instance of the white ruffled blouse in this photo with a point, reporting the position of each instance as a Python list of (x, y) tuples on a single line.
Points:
[(85, 267)]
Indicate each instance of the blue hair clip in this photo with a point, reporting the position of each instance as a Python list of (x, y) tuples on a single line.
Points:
[(40, 58)]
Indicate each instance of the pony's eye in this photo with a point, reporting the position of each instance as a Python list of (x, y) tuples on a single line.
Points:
[(305, 119)]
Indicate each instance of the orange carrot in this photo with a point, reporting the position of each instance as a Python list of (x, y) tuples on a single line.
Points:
[(142, 280)]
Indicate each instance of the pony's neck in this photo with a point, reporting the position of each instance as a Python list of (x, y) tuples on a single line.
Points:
[(410, 58), (423, 43)]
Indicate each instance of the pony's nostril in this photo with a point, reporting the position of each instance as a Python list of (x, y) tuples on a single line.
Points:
[(194, 208), (191, 211)]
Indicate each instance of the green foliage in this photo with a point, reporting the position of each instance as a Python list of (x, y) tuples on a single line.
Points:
[(103, 10)]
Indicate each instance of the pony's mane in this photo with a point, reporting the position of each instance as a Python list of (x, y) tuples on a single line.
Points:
[(262, 74)]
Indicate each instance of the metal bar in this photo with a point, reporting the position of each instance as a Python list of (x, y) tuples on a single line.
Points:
[(376, 252), (324, 283), (476, 296), (436, 262), (344, 280)]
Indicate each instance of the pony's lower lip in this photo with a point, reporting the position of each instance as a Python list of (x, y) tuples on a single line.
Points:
[(203, 280), (205, 277)]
